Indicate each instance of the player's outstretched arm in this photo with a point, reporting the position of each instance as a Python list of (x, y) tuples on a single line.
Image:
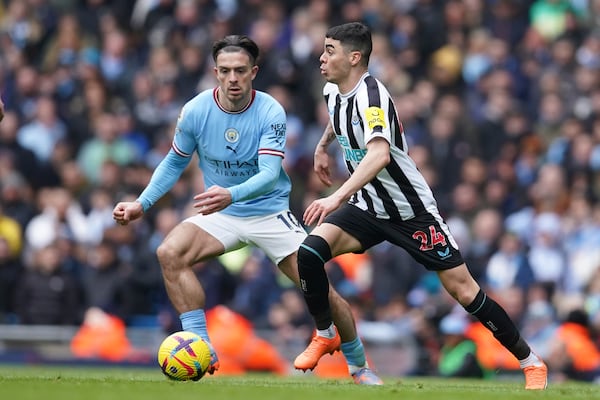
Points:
[(127, 211)]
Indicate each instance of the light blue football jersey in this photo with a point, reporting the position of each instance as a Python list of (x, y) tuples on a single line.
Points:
[(228, 145)]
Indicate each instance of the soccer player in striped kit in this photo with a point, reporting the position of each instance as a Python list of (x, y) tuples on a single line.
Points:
[(385, 199), (239, 136)]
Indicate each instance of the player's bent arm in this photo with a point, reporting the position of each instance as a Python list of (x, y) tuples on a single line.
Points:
[(164, 177), (326, 139), (377, 157), (269, 168), (321, 157)]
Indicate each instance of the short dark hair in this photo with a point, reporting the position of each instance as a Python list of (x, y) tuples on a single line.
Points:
[(235, 43), (354, 36)]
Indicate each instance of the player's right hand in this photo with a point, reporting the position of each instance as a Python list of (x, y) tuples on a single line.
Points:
[(321, 167), (127, 211)]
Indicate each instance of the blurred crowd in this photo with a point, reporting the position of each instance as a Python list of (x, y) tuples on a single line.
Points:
[(500, 102)]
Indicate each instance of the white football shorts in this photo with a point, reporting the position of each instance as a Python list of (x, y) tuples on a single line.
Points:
[(278, 235)]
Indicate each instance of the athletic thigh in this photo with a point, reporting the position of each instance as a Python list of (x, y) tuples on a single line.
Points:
[(226, 230), (189, 244)]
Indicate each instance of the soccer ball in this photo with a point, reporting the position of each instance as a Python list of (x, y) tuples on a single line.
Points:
[(184, 356)]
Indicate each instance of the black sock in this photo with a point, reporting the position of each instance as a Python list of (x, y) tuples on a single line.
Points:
[(495, 318), (312, 256)]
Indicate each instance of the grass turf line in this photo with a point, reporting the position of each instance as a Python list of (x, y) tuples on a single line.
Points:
[(87, 383)]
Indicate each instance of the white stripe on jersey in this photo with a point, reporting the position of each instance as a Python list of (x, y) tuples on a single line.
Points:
[(399, 190)]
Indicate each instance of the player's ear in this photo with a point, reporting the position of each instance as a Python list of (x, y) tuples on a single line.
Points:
[(355, 57), (254, 71)]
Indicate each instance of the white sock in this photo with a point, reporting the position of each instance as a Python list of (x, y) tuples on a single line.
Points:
[(355, 368), (328, 333), (531, 360)]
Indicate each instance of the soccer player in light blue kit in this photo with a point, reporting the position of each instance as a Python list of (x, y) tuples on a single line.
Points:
[(238, 134)]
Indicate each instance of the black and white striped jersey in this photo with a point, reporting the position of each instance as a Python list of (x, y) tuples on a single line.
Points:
[(368, 111)]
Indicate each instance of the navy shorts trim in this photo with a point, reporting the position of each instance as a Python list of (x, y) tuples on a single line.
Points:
[(423, 237)]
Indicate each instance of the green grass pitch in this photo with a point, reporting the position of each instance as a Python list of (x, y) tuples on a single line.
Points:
[(92, 383)]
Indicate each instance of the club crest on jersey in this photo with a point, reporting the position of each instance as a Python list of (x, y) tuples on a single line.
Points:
[(232, 135), (375, 117), (355, 120)]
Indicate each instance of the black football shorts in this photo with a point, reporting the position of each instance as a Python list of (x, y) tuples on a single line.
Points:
[(426, 237)]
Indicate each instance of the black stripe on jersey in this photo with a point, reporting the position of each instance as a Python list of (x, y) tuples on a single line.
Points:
[(349, 127), (336, 115), (372, 91), (405, 186), (373, 95), (397, 129), (368, 200), (388, 202)]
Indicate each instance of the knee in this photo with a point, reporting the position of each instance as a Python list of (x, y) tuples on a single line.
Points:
[(167, 255), (314, 251), (460, 285), (464, 292)]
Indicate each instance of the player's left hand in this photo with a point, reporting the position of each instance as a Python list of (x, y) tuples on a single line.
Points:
[(319, 209), (212, 200)]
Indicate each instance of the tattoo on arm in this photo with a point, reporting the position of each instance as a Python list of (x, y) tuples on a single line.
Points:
[(328, 136)]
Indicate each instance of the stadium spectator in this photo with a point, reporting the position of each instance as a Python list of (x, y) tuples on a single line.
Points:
[(10, 272), (103, 336), (15, 156), (116, 67), (574, 354), (104, 146), (46, 293), (104, 279), (65, 45), (508, 265), (539, 326), (458, 353), (44, 131), (60, 216), (256, 289), (545, 256), (232, 332), (12, 234)]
